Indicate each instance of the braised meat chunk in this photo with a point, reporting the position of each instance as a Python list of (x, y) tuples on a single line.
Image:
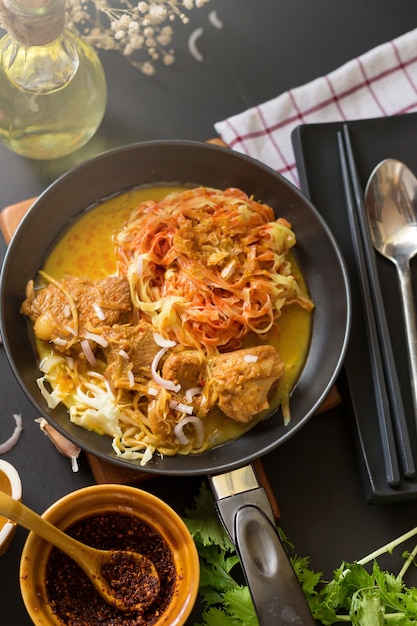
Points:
[(130, 348), (188, 368), (243, 380), (63, 310)]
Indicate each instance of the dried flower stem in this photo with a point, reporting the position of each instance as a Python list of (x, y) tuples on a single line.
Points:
[(141, 32)]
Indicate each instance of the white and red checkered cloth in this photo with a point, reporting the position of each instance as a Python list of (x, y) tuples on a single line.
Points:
[(378, 83)]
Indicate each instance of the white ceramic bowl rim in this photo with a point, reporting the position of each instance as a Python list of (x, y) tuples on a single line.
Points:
[(16, 489)]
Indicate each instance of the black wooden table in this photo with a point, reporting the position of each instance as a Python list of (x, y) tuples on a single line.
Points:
[(264, 48)]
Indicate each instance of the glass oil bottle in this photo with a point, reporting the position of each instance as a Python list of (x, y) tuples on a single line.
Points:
[(52, 84)]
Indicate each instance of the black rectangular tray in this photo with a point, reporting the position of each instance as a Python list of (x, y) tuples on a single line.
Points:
[(317, 157)]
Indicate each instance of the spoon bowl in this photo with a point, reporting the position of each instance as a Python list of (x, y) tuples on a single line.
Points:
[(141, 581), (391, 205)]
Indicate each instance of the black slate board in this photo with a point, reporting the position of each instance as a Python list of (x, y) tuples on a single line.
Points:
[(317, 157)]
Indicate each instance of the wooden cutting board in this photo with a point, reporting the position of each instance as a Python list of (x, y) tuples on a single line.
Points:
[(103, 471)]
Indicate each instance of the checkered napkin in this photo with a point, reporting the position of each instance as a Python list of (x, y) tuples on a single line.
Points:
[(381, 82)]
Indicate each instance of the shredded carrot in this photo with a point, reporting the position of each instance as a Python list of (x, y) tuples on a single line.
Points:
[(209, 266)]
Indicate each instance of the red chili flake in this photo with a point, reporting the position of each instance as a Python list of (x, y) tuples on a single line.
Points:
[(71, 594), (132, 582)]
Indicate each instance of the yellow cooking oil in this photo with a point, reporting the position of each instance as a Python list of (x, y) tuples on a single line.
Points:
[(52, 84)]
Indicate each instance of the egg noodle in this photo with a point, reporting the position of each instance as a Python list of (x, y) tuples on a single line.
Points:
[(208, 269)]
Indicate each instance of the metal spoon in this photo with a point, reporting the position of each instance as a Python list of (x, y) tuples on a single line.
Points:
[(391, 204), (90, 559)]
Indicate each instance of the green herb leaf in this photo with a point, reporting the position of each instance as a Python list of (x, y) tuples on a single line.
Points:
[(354, 595), (204, 524), (238, 603), (226, 601), (217, 617)]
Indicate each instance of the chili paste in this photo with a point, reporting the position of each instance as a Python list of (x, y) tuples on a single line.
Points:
[(73, 597)]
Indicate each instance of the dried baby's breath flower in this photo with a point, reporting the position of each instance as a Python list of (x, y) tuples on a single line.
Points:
[(140, 30)]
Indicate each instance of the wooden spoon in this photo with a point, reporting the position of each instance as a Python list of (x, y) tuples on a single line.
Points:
[(141, 582)]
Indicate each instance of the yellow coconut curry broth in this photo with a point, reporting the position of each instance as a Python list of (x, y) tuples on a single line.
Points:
[(88, 250)]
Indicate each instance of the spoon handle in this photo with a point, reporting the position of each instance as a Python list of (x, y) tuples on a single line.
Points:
[(409, 311), (30, 520)]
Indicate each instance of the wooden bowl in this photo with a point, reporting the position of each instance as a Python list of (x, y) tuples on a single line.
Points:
[(99, 500)]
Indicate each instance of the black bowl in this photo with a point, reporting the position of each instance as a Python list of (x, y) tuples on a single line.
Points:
[(182, 162)]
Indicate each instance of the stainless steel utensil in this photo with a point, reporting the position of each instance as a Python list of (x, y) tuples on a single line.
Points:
[(388, 395), (391, 204)]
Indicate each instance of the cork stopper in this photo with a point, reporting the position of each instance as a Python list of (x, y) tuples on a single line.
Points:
[(33, 22)]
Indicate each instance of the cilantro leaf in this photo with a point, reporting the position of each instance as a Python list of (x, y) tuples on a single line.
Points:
[(238, 603), (215, 567), (353, 596), (203, 522), (226, 601), (217, 617)]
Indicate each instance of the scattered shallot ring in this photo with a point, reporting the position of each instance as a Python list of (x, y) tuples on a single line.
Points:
[(169, 385), (180, 407), (190, 393), (215, 21), (162, 342), (101, 341), (89, 354), (192, 44), (99, 311), (58, 341), (14, 438), (199, 428), (139, 264)]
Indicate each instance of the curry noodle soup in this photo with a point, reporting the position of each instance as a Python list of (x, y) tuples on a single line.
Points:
[(171, 319)]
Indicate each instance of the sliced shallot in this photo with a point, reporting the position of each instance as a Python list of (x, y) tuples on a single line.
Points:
[(99, 311), (180, 407), (58, 341), (14, 437), (162, 342), (69, 329), (139, 264), (199, 429), (192, 44), (215, 21), (130, 378), (101, 341), (190, 393), (169, 385), (89, 354)]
